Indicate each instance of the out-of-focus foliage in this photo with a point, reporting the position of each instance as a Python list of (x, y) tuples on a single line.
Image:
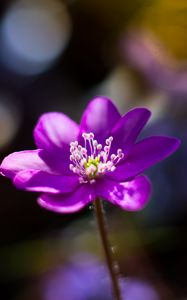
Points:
[(168, 21)]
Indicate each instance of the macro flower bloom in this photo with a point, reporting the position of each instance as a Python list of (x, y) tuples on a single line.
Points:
[(75, 164)]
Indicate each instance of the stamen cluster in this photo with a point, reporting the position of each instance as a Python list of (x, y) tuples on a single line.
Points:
[(93, 160)]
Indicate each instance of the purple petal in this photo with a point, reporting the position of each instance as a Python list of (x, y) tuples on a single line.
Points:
[(68, 203), (128, 128), (39, 181), (131, 195), (60, 165), (143, 155), (55, 131), (99, 117), (19, 161)]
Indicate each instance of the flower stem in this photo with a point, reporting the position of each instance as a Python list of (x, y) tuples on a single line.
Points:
[(99, 211)]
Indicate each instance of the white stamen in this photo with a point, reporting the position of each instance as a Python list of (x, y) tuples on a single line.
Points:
[(90, 161)]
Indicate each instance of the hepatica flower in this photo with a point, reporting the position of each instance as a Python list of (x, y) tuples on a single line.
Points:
[(100, 158)]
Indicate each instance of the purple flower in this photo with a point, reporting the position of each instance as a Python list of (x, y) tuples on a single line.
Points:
[(75, 164), (145, 53), (85, 277)]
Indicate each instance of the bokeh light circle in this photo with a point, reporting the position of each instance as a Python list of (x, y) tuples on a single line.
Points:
[(34, 34)]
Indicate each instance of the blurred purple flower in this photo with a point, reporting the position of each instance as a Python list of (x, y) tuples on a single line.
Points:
[(74, 165), (85, 278), (149, 56)]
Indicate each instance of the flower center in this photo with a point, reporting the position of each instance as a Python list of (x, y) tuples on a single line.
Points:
[(93, 160)]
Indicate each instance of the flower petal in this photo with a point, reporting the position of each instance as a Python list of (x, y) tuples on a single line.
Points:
[(59, 165), (68, 203), (127, 129), (143, 155), (130, 195), (99, 117), (39, 181), (19, 161), (55, 131)]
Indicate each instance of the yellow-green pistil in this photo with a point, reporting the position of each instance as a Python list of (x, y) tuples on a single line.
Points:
[(91, 167)]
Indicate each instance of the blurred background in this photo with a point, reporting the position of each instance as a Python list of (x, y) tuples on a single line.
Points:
[(55, 56)]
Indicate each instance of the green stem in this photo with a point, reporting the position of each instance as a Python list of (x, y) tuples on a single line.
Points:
[(99, 211)]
